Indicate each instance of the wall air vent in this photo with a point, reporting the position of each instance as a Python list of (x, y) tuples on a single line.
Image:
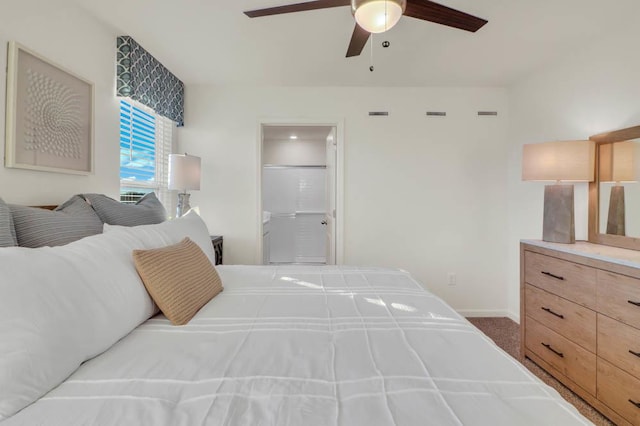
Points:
[(378, 113), (436, 113), (481, 113)]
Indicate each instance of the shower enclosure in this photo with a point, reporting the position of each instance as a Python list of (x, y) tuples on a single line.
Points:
[(295, 197)]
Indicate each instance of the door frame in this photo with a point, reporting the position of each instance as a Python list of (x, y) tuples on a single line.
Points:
[(339, 193)]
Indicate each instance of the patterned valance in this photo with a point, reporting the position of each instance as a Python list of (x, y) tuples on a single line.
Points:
[(142, 78)]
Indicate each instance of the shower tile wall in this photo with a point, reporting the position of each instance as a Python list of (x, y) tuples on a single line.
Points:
[(295, 196)]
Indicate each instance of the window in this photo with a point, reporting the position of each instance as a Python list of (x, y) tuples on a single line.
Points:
[(145, 144)]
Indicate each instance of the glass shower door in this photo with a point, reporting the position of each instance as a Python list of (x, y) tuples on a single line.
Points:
[(295, 196)]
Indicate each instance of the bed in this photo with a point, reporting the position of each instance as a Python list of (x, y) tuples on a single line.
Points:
[(284, 345)]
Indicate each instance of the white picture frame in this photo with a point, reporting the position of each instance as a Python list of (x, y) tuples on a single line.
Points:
[(49, 115)]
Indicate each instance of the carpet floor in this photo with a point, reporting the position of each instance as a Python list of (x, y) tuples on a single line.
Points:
[(506, 334)]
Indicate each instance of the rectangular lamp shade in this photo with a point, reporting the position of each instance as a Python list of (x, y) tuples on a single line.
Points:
[(571, 161), (619, 161), (184, 172)]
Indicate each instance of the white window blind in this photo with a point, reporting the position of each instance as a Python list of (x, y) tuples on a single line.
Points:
[(164, 146), (146, 140)]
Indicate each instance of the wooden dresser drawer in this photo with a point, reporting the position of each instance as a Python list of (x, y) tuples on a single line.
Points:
[(573, 361), (619, 297), (566, 279), (620, 391), (619, 344), (572, 321)]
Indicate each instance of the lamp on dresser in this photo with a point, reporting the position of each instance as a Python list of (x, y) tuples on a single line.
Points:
[(184, 174), (559, 161)]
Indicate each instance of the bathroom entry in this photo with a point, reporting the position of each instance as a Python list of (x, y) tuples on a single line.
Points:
[(298, 194)]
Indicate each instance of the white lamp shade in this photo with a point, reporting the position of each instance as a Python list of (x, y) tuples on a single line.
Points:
[(571, 161), (619, 161), (184, 172), (377, 16)]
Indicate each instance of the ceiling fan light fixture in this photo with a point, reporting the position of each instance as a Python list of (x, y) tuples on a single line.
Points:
[(377, 16)]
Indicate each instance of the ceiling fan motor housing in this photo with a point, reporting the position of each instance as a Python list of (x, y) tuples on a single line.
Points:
[(377, 16)]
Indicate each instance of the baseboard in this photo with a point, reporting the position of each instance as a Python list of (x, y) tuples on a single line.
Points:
[(489, 313), (514, 317)]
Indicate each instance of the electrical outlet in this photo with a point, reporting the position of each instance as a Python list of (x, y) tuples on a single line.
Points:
[(452, 278)]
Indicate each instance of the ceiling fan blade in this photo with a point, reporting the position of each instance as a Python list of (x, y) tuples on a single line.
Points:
[(298, 7), (435, 12), (358, 40)]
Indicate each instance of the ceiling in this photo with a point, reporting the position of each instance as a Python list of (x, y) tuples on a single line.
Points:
[(213, 42)]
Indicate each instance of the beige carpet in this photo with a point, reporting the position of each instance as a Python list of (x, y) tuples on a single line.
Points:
[(506, 334)]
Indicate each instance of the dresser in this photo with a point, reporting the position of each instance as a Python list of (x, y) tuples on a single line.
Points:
[(580, 321)]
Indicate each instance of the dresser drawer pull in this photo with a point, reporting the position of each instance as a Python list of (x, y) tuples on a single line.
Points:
[(634, 303), (549, 274), (560, 354), (637, 404), (634, 353), (552, 313)]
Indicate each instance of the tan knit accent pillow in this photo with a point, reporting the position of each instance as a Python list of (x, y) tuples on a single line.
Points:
[(180, 279)]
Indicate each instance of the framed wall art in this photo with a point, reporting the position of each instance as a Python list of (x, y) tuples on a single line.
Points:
[(50, 117)]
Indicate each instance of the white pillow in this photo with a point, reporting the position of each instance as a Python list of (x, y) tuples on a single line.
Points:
[(60, 306), (190, 225)]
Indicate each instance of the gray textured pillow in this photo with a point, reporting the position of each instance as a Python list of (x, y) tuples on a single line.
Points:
[(73, 220), (7, 232), (147, 211)]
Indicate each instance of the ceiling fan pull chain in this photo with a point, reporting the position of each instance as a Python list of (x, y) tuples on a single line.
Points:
[(371, 68)]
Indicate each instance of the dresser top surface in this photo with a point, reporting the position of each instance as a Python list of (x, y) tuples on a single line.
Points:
[(620, 256)]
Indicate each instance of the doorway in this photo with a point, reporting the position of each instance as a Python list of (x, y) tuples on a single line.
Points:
[(298, 194)]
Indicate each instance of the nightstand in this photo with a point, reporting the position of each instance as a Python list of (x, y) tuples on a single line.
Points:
[(216, 240)]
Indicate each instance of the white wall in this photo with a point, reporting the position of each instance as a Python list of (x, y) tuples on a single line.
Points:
[(68, 36), (590, 91), (426, 194), (295, 152), (430, 195)]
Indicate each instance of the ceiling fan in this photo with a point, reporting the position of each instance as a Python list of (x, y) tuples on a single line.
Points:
[(377, 16)]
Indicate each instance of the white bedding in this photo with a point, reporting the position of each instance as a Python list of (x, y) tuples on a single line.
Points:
[(305, 346)]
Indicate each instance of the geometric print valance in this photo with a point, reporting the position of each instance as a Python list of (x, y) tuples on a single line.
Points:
[(143, 78)]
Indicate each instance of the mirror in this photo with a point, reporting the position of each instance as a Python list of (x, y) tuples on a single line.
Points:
[(614, 196)]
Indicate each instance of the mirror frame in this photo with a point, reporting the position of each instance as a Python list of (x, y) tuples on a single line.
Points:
[(595, 236)]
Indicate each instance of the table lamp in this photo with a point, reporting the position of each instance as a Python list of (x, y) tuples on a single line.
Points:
[(561, 161), (184, 174), (618, 163)]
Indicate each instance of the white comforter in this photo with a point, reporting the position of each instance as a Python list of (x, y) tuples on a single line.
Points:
[(305, 346)]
